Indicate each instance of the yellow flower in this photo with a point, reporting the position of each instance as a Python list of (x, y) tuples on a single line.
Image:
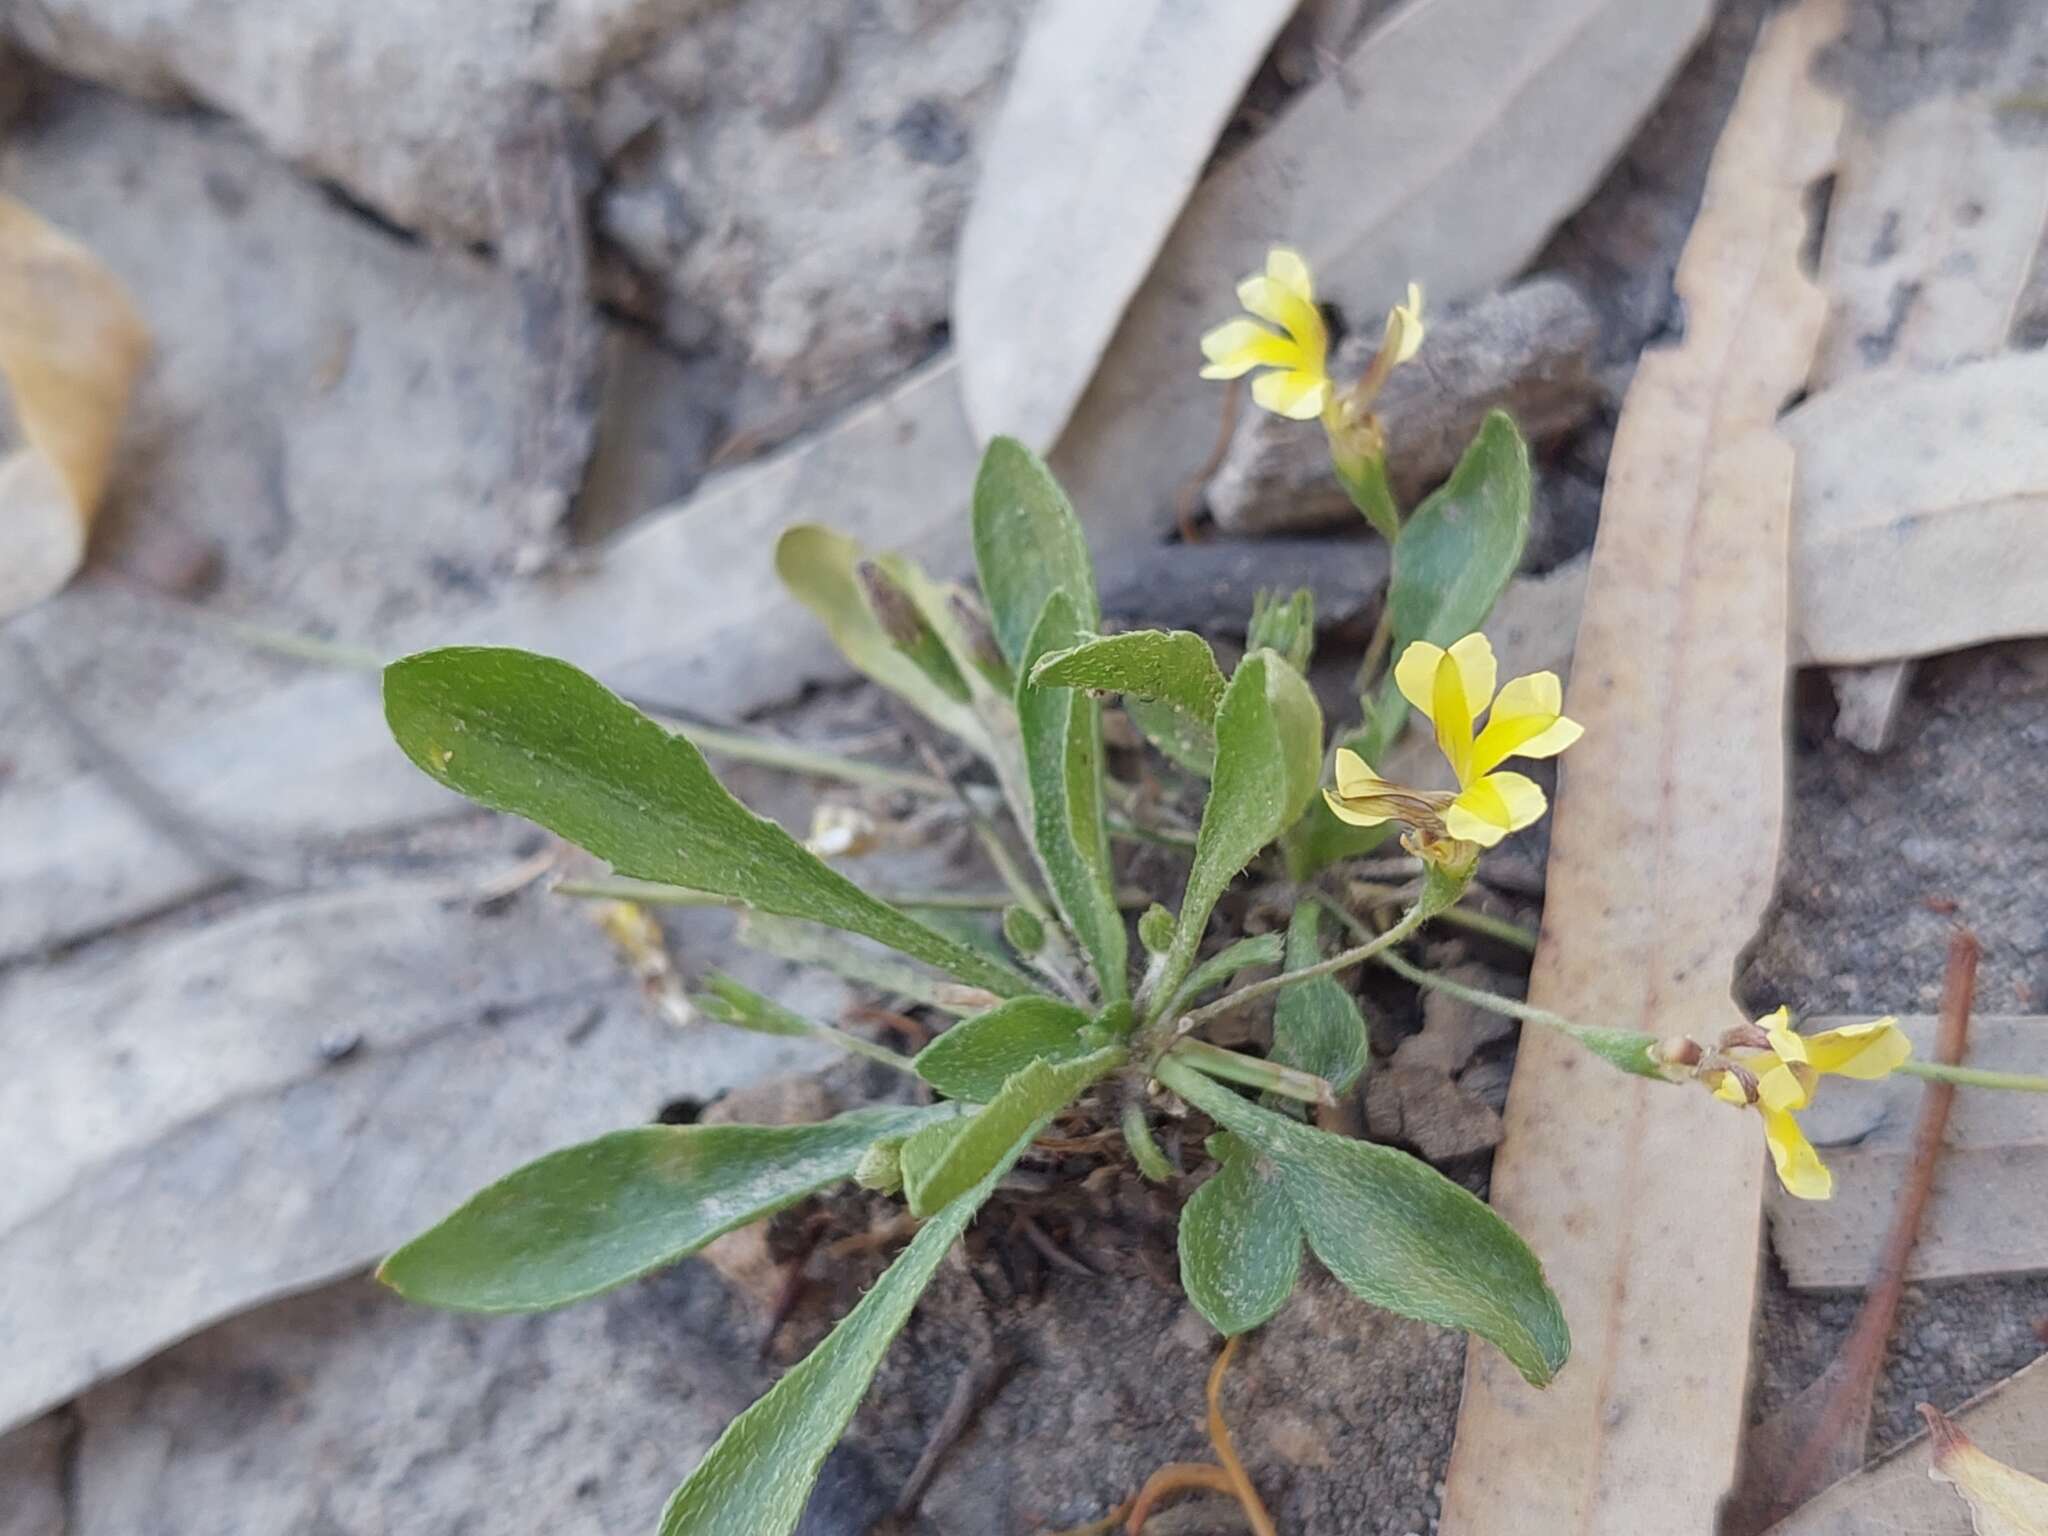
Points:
[(1298, 385), (1780, 1080), (1452, 688)]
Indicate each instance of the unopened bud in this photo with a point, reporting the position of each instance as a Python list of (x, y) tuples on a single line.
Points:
[(1287, 626), (1746, 1037), (1023, 928), (1155, 929), (881, 1167), (1681, 1051)]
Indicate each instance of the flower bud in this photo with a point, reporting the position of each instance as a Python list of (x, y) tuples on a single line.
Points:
[(1024, 930), (881, 1167), (980, 637), (897, 614), (1155, 929)]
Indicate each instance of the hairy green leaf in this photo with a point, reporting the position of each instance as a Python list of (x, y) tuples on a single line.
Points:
[(1284, 624), (1031, 1097), (1174, 666), (1269, 756), (1027, 545), (974, 1058), (1398, 1233), (1454, 558), (1316, 1023), (819, 566), (1240, 1242), (735, 1003), (1062, 730), (587, 1218), (534, 736), (758, 1477), (1261, 949), (1182, 738)]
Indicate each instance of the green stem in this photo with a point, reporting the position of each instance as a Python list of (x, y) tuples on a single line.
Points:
[(1145, 1151), (1973, 1077), (1252, 1071), (1411, 920), (1376, 650), (1130, 830), (1462, 916)]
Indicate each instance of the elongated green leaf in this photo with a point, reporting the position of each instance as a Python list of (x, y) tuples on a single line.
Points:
[(1062, 730), (1454, 558), (534, 736), (758, 1477), (1028, 545), (1184, 739), (818, 567), (733, 1002), (974, 1058), (1269, 755), (1029, 1098), (1240, 1242), (587, 1218), (1316, 1023), (1174, 666), (1398, 1233), (1261, 949)]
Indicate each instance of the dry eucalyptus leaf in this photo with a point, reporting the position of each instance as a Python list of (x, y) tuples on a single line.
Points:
[(1444, 150), (71, 345), (1643, 1198), (1922, 499), (1111, 113), (1931, 233), (2003, 1500)]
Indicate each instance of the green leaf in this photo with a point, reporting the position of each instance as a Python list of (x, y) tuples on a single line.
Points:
[(1174, 666), (1269, 757), (1316, 1023), (1062, 732), (1286, 625), (534, 736), (1454, 558), (1030, 1098), (1398, 1233), (758, 1477), (735, 1003), (590, 1217), (974, 1058), (1240, 1242), (819, 566), (1182, 738), (1027, 545), (1261, 949)]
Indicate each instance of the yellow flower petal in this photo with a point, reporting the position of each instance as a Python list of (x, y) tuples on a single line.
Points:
[(1287, 267), (1866, 1051), (1525, 723), (1779, 1087), (1345, 812), (1476, 670), (1787, 1042), (1522, 796), (1462, 823), (1297, 394), (1403, 336), (1355, 776), (1236, 347), (1415, 676), (1799, 1167), (1284, 307), (1729, 1091)]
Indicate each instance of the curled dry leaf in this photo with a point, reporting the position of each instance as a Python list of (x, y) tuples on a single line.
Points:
[(2003, 1500), (71, 345)]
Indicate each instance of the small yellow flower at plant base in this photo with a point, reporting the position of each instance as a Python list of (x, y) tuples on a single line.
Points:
[(1297, 355), (1780, 1079), (1451, 689)]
